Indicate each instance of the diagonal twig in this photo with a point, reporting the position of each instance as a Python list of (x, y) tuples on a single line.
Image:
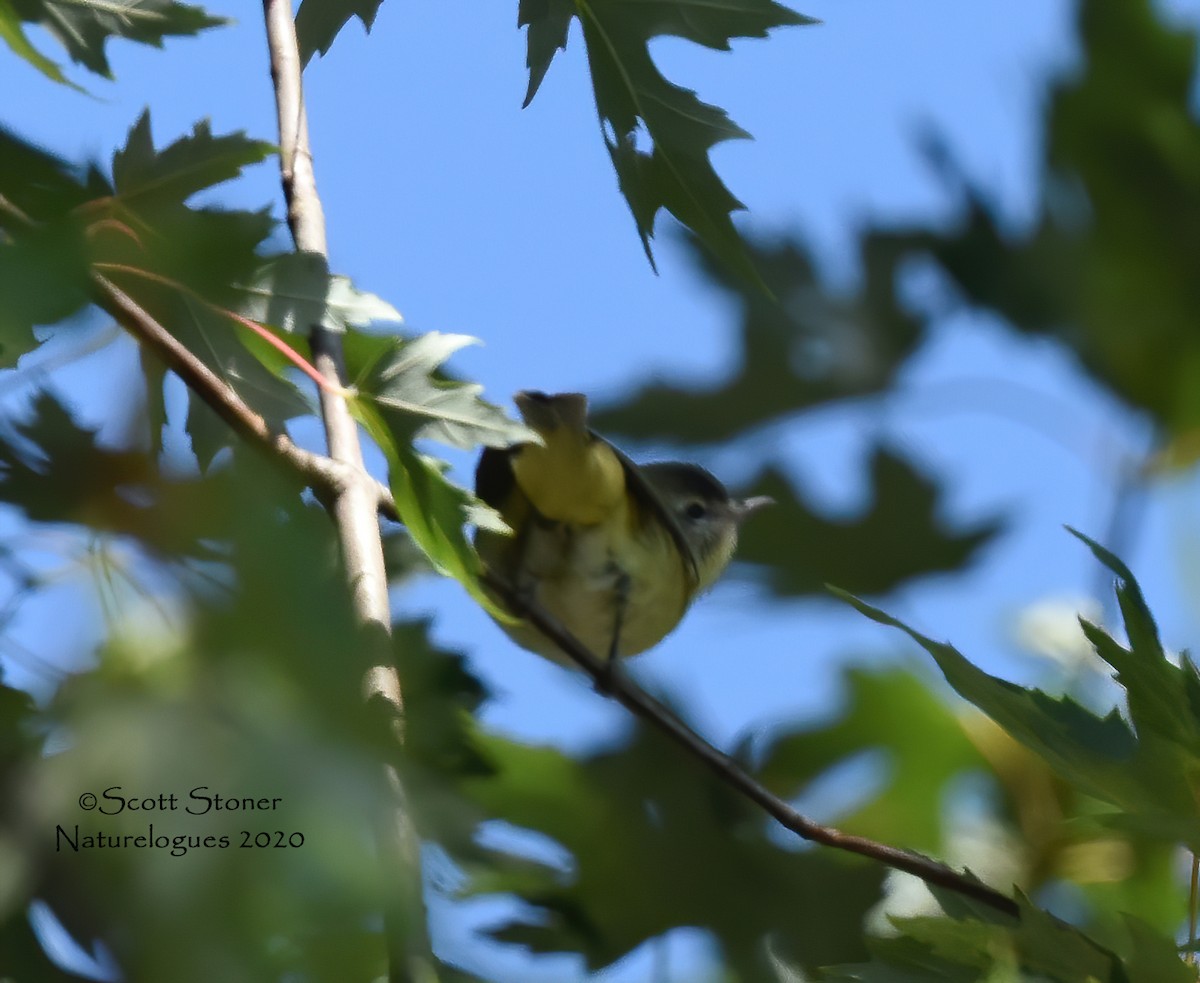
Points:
[(641, 704)]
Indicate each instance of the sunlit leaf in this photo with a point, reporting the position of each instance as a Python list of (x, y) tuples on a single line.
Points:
[(399, 379), (295, 291)]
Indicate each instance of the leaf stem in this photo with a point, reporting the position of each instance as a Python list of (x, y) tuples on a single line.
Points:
[(263, 332)]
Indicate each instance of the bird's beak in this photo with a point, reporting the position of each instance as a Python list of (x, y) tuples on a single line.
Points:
[(745, 507)]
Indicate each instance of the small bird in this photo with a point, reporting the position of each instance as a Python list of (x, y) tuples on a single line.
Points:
[(614, 550)]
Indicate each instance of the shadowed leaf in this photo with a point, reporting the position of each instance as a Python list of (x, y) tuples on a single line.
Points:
[(658, 134)]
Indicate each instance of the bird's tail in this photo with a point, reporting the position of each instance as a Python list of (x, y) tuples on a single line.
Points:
[(572, 476)]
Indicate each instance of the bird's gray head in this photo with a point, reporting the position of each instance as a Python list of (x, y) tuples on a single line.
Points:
[(705, 513)]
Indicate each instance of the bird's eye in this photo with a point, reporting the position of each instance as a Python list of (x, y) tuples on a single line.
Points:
[(695, 510)]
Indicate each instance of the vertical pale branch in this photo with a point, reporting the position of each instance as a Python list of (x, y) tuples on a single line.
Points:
[(353, 508)]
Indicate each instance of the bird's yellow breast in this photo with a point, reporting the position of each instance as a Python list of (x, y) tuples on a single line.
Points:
[(617, 574)]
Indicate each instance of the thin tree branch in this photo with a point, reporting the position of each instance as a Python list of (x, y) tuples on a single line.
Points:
[(355, 513), (321, 473), (641, 704)]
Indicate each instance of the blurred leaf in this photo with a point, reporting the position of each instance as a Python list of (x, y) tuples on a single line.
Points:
[(318, 22), (43, 253), (656, 843), (56, 471), (897, 538), (1151, 957), (295, 291), (1106, 266), (1147, 771), (83, 27), (154, 375), (25, 960), (442, 741), (801, 346), (637, 105), (922, 744), (17, 738), (39, 184), (440, 696), (43, 279), (402, 557), (978, 943), (220, 689)]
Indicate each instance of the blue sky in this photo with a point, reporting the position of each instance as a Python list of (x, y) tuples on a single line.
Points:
[(473, 216)]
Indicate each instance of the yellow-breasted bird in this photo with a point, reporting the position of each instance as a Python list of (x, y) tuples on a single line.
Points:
[(615, 551)]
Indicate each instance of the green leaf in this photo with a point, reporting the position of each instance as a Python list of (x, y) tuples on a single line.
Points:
[(143, 233), (25, 956), (43, 279), (190, 164), (979, 944), (440, 697), (84, 26), (39, 184), (218, 342), (318, 22), (636, 104), (434, 510), (1163, 698), (1152, 957), (58, 472), (1148, 772), (402, 395), (643, 814), (44, 253), (1061, 729), (18, 43), (295, 291), (400, 380)]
